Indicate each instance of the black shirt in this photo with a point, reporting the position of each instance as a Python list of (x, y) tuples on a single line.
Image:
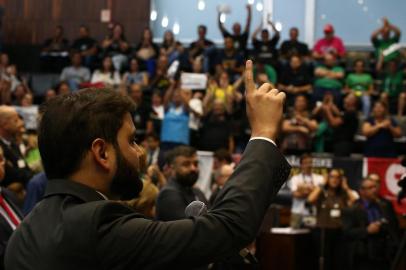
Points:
[(266, 50), (216, 132), (199, 51), (230, 60), (83, 44), (289, 48), (299, 77), (346, 131), (141, 116), (240, 41)]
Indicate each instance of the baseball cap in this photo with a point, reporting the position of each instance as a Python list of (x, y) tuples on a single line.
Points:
[(328, 28)]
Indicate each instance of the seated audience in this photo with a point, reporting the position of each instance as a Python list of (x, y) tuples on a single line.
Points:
[(141, 113), (301, 186), (106, 76), (361, 84), (10, 215), (330, 44), (16, 168), (371, 228), (239, 39), (116, 47), (383, 38), (265, 49), (216, 129), (55, 51), (344, 125), (180, 191), (331, 198), (298, 128), (295, 79), (293, 46), (18, 94), (76, 74), (380, 130), (134, 75), (86, 46), (329, 77)]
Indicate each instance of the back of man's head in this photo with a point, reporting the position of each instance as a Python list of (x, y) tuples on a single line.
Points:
[(70, 123)]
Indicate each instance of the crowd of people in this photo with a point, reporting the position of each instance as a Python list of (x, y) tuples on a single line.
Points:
[(328, 103)]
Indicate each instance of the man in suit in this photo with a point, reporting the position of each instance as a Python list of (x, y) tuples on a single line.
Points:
[(86, 140), (180, 191), (10, 215), (16, 168), (371, 226)]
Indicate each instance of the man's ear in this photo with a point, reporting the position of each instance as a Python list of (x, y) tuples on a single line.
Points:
[(102, 153)]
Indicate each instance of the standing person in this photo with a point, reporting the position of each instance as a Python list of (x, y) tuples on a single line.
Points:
[(301, 186), (86, 230), (330, 198), (371, 228), (240, 39), (10, 215), (179, 192), (384, 37), (203, 47), (265, 49), (293, 46)]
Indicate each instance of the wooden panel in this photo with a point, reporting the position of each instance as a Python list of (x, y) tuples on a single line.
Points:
[(32, 21)]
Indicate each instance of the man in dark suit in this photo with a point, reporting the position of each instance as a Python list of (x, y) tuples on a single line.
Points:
[(86, 140), (16, 168), (179, 192), (371, 226), (10, 215)]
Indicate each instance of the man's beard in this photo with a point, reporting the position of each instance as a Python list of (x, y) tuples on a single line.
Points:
[(187, 180), (126, 183)]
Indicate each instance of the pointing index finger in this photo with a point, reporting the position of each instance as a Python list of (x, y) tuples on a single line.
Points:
[(249, 77)]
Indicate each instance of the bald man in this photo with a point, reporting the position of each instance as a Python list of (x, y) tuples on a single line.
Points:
[(16, 169), (225, 172)]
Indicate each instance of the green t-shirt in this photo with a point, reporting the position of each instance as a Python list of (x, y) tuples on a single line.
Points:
[(382, 44), (393, 84), (359, 82), (327, 82)]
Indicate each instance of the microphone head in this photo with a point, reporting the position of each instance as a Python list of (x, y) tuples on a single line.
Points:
[(195, 209)]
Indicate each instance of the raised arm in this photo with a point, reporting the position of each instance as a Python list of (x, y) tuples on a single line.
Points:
[(249, 16)]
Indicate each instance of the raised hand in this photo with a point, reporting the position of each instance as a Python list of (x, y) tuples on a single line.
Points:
[(264, 106)]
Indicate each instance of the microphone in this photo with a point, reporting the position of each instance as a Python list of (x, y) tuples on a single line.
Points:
[(197, 209)]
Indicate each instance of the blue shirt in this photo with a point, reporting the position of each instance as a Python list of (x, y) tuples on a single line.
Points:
[(175, 125), (35, 192)]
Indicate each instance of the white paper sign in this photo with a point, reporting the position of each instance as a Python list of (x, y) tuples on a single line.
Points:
[(105, 15), (193, 81)]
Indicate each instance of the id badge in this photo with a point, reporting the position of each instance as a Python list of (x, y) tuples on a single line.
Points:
[(335, 213), (21, 163)]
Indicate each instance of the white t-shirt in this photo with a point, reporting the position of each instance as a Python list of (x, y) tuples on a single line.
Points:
[(299, 204)]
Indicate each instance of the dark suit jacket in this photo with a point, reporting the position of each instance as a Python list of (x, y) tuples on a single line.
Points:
[(74, 228), (5, 229), (12, 172), (363, 246), (174, 198)]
